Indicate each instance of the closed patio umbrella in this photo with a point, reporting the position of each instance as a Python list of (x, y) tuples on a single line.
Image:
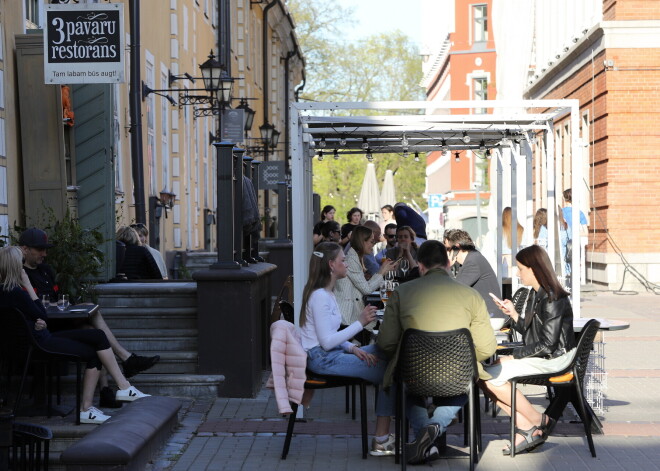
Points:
[(369, 200), (388, 193)]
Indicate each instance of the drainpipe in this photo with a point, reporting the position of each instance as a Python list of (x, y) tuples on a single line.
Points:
[(136, 113), (266, 84)]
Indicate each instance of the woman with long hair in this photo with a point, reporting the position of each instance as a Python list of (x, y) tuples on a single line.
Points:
[(350, 289), (507, 232), (546, 324), (541, 228), (327, 214), (405, 249), (138, 264), (91, 345), (328, 348)]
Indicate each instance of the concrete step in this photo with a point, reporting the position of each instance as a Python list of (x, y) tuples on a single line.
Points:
[(151, 318), (157, 340), (142, 294)]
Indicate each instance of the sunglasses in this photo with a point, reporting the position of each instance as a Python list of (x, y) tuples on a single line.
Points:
[(390, 236)]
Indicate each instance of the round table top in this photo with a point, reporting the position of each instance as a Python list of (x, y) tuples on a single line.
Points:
[(605, 324)]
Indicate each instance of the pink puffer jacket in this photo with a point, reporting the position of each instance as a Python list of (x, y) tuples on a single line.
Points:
[(288, 360)]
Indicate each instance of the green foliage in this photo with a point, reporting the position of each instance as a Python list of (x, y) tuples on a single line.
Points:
[(76, 257), (382, 67)]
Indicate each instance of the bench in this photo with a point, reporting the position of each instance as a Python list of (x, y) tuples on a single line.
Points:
[(126, 441)]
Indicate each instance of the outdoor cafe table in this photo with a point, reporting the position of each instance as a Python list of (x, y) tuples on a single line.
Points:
[(76, 311)]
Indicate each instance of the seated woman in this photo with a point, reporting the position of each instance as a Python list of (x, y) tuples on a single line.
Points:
[(405, 249), (350, 288), (138, 264), (327, 214), (328, 349), (90, 344), (474, 270), (354, 217), (546, 325)]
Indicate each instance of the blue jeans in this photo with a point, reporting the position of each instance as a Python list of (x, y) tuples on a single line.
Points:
[(443, 414), (338, 362)]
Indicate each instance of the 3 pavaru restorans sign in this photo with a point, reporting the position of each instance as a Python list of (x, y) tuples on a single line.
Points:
[(84, 43)]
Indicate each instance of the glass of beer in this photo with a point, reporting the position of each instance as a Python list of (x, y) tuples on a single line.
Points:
[(384, 293)]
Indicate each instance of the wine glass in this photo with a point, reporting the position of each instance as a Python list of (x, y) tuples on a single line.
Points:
[(63, 302), (404, 266), (384, 293), (45, 300)]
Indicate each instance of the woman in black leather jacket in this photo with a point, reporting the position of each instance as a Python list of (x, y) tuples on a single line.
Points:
[(546, 324)]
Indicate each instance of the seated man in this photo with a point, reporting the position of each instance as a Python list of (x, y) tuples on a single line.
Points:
[(433, 302), (34, 244)]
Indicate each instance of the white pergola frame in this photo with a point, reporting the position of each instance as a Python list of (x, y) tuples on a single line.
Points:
[(310, 122)]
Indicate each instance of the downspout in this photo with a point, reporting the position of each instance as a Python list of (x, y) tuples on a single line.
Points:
[(134, 99), (266, 85), (286, 111)]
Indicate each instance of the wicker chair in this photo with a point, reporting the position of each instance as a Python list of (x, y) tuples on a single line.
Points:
[(438, 365), (571, 377)]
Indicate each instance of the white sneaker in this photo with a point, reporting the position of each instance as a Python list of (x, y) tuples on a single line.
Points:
[(385, 448), (93, 416), (130, 394)]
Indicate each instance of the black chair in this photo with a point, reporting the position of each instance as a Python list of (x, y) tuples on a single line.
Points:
[(317, 381), (438, 365), (568, 384), (30, 448), (18, 332)]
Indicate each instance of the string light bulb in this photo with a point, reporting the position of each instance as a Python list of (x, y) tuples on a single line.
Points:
[(457, 157), (342, 140), (406, 154), (365, 144), (488, 156), (404, 141), (370, 157), (322, 143), (320, 156), (482, 146), (416, 156), (335, 154), (443, 146), (465, 138)]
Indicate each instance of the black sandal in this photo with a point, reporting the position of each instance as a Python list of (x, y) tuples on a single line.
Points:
[(547, 427), (531, 441)]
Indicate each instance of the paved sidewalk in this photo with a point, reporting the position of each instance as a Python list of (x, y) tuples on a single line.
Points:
[(248, 434)]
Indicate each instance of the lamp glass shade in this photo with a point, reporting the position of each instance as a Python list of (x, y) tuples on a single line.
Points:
[(249, 114), (276, 138), (211, 72), (226, 88), (266, 131)]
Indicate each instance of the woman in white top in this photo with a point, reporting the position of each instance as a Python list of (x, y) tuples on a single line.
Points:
[(328, 349), (350, 288)]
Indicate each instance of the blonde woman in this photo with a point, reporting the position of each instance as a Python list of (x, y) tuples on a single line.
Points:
[(91, 345), (507, 232), (138, 262)]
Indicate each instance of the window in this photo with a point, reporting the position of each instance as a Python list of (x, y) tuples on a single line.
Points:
[(480, 92), (480, 18), (32, 12)]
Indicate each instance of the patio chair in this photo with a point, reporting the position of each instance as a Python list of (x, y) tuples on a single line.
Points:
[(571, 378), (318, 381), (438, 365), (18, 332)]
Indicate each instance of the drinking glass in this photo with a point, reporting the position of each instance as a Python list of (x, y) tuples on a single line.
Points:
[(45, 300), (404, 266), (384, 294), (63, 302)]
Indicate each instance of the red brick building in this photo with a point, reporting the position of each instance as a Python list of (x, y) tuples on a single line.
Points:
[(612, 66), (461, 68)]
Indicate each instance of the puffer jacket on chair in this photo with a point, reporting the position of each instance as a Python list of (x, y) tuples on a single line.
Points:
[(288, 361)]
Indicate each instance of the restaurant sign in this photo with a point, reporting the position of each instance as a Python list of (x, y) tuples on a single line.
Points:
[(84, 43)]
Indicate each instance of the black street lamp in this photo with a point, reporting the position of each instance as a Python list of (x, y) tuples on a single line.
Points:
[(266, 130), (249, 114), (216, 79)]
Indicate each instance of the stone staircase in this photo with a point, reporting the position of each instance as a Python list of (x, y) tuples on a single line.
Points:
[(159, 318)]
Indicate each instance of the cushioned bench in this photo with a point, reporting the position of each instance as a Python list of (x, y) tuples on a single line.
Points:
[(126, 441)]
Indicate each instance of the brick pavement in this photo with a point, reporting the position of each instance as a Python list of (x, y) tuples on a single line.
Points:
[(248, 434)]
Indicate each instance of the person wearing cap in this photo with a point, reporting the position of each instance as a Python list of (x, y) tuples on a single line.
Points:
[(407, 216), (34, 244)]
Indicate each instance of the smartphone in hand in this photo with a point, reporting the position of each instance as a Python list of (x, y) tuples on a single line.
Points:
[(497, 300)]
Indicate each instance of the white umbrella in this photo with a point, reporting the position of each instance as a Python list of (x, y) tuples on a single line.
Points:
[(388, 194), (369, 200)]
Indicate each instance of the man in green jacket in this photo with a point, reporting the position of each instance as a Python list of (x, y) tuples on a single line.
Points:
[(433, 302)]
